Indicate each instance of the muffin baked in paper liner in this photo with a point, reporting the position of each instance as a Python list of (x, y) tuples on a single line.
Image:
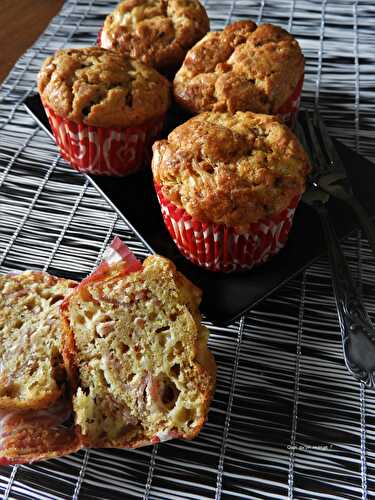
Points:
[(112, 151), (218, 247), (289, 110)]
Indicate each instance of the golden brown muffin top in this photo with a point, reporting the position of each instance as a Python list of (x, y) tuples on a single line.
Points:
[(230, 169), (158, 32), (102, 87), (243, 68)]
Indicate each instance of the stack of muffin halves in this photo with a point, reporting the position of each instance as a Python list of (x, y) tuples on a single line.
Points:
[(119, 360)]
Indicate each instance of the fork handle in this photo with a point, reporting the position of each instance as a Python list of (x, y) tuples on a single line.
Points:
[(365, 221), (357, 331)]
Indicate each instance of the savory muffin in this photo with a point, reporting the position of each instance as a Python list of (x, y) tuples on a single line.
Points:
[(228, 185), (137, 355), (243, 68), (102, 88), (157, 32), (104, 108), (32, 372)]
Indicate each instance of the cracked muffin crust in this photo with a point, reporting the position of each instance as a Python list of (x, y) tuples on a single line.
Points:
[(243, 68), (102, 88), (137, 356), (32, 372), (157, 32), (230, 169)]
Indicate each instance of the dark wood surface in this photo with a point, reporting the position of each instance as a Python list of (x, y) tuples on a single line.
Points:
[(21, 23)]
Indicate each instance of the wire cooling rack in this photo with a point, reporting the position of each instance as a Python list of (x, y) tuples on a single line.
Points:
[(287, 420)]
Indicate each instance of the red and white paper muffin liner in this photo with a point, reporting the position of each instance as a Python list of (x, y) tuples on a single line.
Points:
[(99, 38), (221, 248), (104, 150), (117, 253), (289, 110)]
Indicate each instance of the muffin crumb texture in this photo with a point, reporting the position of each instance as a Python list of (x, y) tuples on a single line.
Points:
[(32, 372), (242, 68), (144, 370), (102, 88), (157, 32), (230, 169)]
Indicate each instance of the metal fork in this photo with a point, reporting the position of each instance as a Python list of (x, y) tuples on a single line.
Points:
[(357, 331), (333, 178)]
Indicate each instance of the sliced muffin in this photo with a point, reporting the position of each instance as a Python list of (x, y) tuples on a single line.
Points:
[(137, 356), (32, 373)]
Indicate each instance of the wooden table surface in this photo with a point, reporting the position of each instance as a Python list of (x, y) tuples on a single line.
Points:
[(21, 22)]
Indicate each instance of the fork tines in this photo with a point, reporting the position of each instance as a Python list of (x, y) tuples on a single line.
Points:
[(330, 149), (318, 144)]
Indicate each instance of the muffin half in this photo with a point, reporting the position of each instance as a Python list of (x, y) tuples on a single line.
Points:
[(137, 355), (32, 373)]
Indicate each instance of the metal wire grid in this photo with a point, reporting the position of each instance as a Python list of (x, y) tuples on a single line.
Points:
[(282, 385)]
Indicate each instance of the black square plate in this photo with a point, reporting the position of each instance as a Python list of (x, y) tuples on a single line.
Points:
[(227, 296)]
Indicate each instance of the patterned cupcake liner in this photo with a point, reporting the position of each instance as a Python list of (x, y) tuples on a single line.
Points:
[(221, 248), (101, 150), (289, 110), (117, 253), (99, 38)]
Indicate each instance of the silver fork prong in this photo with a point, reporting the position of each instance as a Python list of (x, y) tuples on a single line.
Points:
[(319, 161), (302, 138), (301, 134), (331, 151)]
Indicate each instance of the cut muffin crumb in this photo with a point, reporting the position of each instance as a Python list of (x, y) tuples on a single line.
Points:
[(32, 373), (137, 355)]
